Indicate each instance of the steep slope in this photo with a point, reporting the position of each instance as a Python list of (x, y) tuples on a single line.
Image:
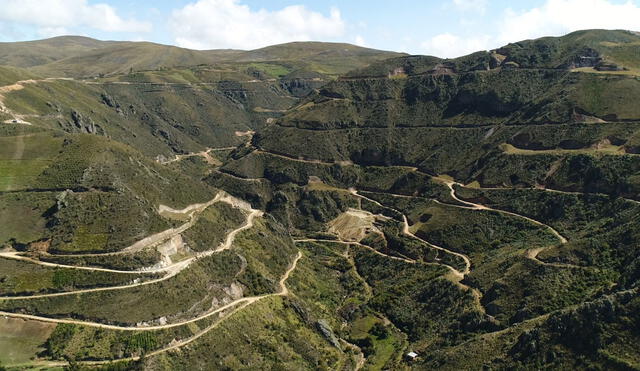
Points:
[(157, 118), (166, 110), (482, 212), (467, 119), (89, 193), (542, 132)]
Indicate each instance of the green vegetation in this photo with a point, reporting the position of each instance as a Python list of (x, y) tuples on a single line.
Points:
[(213, 225), (145, 258), (538, 269), (185, 294), (406, 292), (271, 70), (21, 278), (21, 340)]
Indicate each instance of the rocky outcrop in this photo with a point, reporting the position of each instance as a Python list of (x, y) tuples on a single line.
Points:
[(609, 66), (81, 124), (327, 332), (587, 57)]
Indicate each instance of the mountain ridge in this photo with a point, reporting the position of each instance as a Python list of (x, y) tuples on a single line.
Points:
[(60, 55)]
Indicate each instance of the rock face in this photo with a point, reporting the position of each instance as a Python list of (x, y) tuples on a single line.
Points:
[(326, 330), (80, 123), (496, 60), (608, 66), (585, 58)]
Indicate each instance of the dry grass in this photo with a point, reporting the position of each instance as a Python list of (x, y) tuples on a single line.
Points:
[(630, 72), (353, 225), (20, 340), (607, 149)]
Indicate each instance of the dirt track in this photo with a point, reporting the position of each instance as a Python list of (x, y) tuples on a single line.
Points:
[(284, 291), (473, 206), (244, 302), (171, 270), (406, 231)]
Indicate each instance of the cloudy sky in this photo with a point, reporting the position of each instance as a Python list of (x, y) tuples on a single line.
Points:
[(446, 28)]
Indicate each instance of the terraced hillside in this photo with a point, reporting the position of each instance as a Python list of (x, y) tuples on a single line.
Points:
[(257, 213)]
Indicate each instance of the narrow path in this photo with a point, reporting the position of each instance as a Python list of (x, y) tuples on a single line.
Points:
[(406, 231), (19, 85), (171, 270), (530, 253), (457, 276), (455, 273), (314, 162), (175, 269), (17, 256), (406, 260), (284, 291), (572, 193), (226, 173), (474, 206), (191, 211), (204, 154)]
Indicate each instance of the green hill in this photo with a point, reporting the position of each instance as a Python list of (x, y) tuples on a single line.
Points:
[(322, 206), (74, 56), (39, 52)]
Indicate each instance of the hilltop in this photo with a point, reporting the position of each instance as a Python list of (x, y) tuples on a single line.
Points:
[(74, 56)]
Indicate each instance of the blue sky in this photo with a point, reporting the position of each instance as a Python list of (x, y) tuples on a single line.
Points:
[(445, 28)]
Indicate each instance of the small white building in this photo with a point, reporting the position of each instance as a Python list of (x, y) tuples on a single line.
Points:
[(412, 356)]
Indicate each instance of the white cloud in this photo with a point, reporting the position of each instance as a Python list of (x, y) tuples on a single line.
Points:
[(359, 40), (553, 18), (52, 31), (558, 17), (209, 24), (447, 45), (471, 5), (56, 16)]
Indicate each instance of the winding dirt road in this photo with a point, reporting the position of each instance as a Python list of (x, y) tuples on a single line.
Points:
[(406, 231), (206, 154), (244, 302), (172, 269), (19, 85), (284, 291), (474, 206), (406, 260), (457, 276)]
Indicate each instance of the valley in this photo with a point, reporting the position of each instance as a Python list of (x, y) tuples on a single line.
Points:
[(320, 206)]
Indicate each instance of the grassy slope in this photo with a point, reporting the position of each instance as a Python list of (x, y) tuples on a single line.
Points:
[(35, 53), (80, 56), (117, 191), (383, 306)]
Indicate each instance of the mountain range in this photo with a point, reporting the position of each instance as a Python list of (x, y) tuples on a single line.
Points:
[(320, 206)]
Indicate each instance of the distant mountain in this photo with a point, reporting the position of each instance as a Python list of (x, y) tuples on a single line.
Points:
[(599, 50), (39, 52), (124, 57), (76, 56), (329, 58)]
